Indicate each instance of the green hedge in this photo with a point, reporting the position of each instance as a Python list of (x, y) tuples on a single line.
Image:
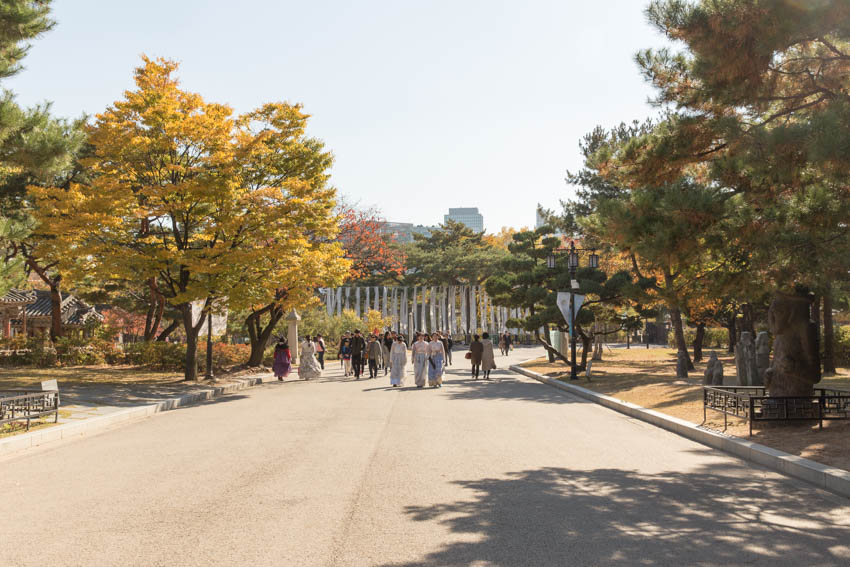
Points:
[(715, 337)]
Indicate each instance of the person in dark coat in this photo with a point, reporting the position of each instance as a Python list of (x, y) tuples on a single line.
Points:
[(358, 349), (476, 351)]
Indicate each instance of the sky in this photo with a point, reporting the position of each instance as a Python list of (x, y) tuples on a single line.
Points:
[(425, 105)]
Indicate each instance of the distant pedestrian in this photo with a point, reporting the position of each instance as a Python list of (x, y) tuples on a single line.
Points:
[(345, 336), (282, 365), (374, 352), (436, 360), (309, 367), (508, 342), (398, 361), (502, 344), (476, 349), (488, 357), (419, 353), (387, 345), (358, 350), (449, 346), (320, 350), (345, 357)]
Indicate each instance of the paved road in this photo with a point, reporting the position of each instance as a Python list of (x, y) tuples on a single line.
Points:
[(507, 472)]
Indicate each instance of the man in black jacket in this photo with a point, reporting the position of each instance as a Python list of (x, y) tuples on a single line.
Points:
[(358, 348)]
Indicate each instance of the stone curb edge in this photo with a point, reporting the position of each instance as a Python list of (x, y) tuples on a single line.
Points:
[(25, 441), (828, 478)]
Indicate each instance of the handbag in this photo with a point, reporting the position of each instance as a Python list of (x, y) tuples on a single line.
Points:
[(468, 356)]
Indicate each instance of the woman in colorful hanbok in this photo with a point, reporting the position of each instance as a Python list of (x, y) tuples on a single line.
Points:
[(282, 360), (436, 359), (419, 352), (398, 360), (309, 367)]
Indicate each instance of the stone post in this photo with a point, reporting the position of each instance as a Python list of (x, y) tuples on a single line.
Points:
[(292, 335)]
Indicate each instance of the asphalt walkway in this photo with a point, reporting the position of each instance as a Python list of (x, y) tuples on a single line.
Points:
[(337, 472)]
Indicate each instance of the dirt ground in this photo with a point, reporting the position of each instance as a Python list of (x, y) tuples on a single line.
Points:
[(647, 377)]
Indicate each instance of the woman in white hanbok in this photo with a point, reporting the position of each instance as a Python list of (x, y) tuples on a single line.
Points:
[(309, 366), (398, 360), (419, 351)]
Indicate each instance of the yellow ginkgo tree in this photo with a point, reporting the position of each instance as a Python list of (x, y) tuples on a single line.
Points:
[(215, 207)]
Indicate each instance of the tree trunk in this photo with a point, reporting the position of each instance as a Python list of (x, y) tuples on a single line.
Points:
[(828, 334), (192, 332), (549, 340), (733, 337), (698, 340), (795, 368), (56, 330), (679, 333), (261, 334), (156, 306), (586, 343), (169, 329)]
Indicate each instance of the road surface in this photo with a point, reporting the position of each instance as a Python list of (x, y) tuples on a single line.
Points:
[(337, 472)]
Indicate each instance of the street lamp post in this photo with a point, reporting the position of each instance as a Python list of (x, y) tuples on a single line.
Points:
[(572, 264)]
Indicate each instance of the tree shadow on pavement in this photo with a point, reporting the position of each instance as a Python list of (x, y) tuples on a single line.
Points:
[(507, 386), (559, 516)]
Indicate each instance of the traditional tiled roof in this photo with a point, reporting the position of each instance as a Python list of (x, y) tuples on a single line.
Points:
[(18, 296), (74, 311)]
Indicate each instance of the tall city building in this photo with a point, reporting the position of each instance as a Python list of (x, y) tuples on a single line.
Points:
[(540, 220), (468, 216)]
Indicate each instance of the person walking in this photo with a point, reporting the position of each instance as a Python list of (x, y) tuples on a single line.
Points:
[(488, 357), (345, 357), (282, 365), (358, 349), (502, 344), (398, 360), (449, 346), (320, 350), (309, 367), (374, 352), (508, 341), (419, 353), (476, 349), (436, 359), (387, 345), (346, 336)]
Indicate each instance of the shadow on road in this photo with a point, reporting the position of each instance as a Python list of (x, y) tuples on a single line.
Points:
[(504, 385), (559, 516)]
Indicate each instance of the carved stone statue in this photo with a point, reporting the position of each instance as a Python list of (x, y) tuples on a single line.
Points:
[(682, 364), (796, 366), (745, 360), (762, 357), (713, 371)]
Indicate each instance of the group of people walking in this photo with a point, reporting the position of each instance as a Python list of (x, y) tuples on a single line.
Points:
[(430, 355)]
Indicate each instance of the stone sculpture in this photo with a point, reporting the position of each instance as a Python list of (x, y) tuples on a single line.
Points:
[(713, 371), (745, 360)]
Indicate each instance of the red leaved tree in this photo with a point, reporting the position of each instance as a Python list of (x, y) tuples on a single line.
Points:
[(375, 257)]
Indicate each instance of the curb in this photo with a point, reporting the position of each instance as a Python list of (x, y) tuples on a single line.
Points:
[(25, 441), (822, 476)]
